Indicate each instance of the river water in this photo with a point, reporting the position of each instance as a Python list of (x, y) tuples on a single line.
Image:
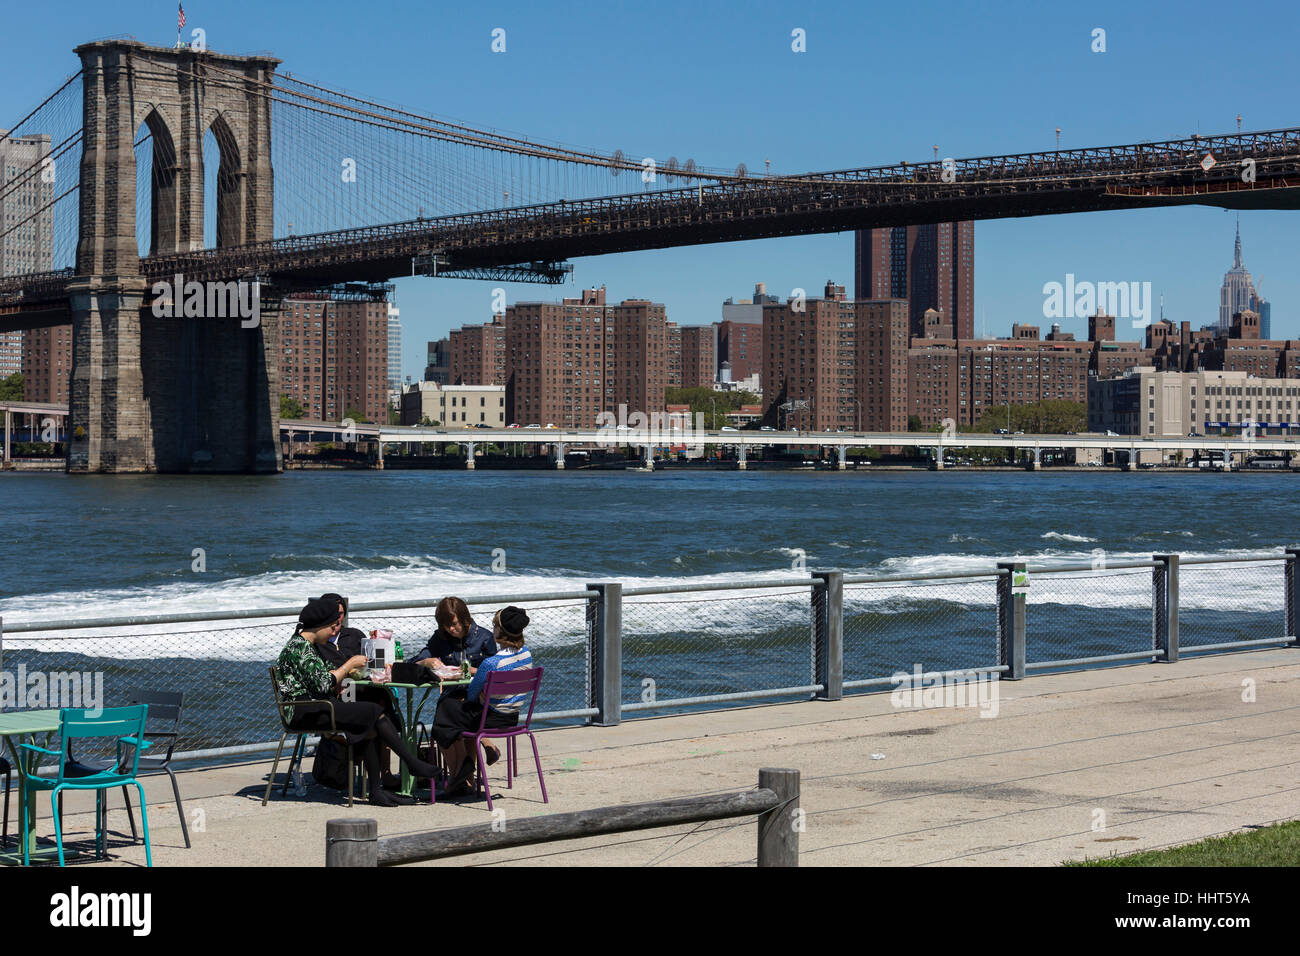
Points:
[(77, 547)]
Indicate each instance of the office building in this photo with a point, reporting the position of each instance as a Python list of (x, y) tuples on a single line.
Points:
[(454, 406), (1150, 403), (394, 348), (931, 266), (1237, 294)]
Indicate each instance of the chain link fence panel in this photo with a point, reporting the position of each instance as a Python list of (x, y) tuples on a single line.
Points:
[(893, 627), (1221, 603), (1071, 615), (727, 642), (221, 668)]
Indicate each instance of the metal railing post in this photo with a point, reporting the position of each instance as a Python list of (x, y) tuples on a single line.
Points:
[(1011, 623), (1291, 578), (828, 633), (779, 828), (1164, 608), (605, 636)]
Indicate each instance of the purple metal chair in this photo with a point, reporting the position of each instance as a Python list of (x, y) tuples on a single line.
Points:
[(509, 684)]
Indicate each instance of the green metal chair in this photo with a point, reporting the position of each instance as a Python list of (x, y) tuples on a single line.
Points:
[(126, 724)]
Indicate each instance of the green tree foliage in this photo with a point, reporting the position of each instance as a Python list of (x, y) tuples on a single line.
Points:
[(1053, 417), (712, 405), (11, 388), (914, 423), (356, 415), (291, 408)]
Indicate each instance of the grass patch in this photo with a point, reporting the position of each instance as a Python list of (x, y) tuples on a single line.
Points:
[(1277, 845)]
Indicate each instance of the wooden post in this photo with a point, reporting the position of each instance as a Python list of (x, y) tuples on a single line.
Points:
[(778, 828), (351, 843)]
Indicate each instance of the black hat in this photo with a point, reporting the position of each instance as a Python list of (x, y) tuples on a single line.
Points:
[(512, 621), (317, 613), (338, 599)]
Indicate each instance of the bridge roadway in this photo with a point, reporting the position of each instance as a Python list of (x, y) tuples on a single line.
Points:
[(1205, 170)]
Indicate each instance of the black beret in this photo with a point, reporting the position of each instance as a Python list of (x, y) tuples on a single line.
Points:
[(317, 613)]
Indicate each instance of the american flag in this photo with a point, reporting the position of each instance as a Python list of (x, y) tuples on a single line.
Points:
[(180, 16)]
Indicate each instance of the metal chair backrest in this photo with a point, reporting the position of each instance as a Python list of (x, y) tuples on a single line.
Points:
[(512, 684), (164, 717), (280, 706), (76, 723)]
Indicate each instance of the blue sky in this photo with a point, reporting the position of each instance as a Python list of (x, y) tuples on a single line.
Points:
[(720, 83)]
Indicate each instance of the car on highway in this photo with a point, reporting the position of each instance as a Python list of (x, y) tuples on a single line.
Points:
[(767, 428), (549, 425), (728, 428), (513, 425), (532, 426)]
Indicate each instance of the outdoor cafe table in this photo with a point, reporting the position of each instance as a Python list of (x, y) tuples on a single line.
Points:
[(14, 727), (410, 729)]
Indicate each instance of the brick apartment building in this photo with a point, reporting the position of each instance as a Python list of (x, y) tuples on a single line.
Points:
[(961, 379), (334, 356), (846, 360), (47, 364), (674, 354), (476, 354), (698, 359)]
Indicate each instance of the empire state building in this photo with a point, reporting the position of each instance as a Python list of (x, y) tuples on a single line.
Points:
[(1237, 294)]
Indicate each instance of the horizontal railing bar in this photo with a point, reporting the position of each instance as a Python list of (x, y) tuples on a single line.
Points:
[(903, 579), (1110, 566), (141, 620), (1129, 656), (722, 586), (1189, 648), (583, 595), (883, 681), (712, 698), (1256, 559), (459, 841), (563, 714), (312, 739)]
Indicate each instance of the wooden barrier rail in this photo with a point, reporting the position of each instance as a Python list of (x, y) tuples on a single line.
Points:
[(355, 842)]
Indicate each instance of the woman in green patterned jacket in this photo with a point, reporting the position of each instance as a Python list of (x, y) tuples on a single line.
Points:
[(303, 676)]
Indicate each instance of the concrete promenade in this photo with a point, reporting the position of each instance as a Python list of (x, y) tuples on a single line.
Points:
[(1166, 754)]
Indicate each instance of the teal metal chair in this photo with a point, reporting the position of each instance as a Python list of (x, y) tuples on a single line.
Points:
[(126, 724)]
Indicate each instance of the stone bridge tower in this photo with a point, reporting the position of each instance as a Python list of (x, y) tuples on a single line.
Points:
[(169, 394)]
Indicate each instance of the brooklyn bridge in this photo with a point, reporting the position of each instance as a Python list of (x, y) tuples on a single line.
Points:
[(315, 187)]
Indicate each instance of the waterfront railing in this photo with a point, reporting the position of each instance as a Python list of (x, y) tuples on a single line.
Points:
[(612, 650)]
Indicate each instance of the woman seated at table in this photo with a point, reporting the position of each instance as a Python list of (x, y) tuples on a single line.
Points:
[(457, 639), (302, 674), (455, 716), (345, 643)]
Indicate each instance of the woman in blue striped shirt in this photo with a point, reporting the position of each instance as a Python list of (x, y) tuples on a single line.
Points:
[(455, 717)]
